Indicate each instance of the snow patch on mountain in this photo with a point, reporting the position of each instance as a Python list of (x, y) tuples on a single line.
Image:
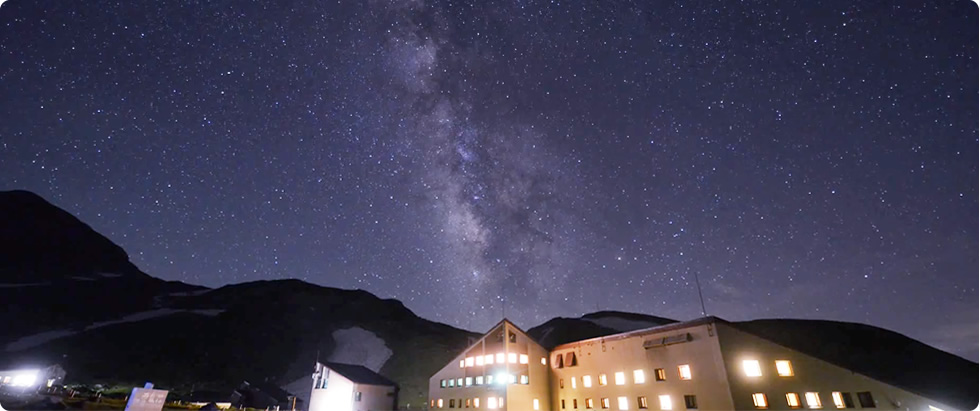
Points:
[(356, 345)]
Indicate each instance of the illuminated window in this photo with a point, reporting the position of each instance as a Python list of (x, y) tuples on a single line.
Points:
[(690, 402), (479, 360), (459, 382), (489, 379), (500, 358), (491, 403), (50, 382), (452, 383), (488, 359), (535, 404), (660, 374), (752, 368), (639, 377), (587, 381), (838, 399), (512, 378), (469, 381), (500, 401), (812, 400), (665, 402), (523, 359), (624, 403), (793, 400), (524, 380), (684, 371), (469, 361), (759, 400), (589, 404), (561, 383), (784, 368), (641, 403), (432, 403), (462, 363), (866, 400), (574, 385), (469, 402), (544, 361), (442, 383), (440, 403), (512, 358), (603, 380), (605, 403), (479, 380), (476, 403), (620, 378)]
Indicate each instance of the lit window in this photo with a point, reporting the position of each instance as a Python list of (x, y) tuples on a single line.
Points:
[(459, 382), (500, 358), (838, 399), (684, 371), (469, 402), (524, 379), (489, 379), (476, 403), (512, 358), (432, 403), (620, 378), (479, 360), (931, 408), (605, 403), (491, 403), (479, 380), (544, 361), (784, 368), (512, 378), (440, 403), (469, 361), (793, 400), (469, 381), (866, 400), (442, 383), (665, 402), (812, 400), (624, 403), (603, 380), (462, 363), (759, 400), (587, 381), (502, 378), (589, 403), (639, 377), (500, 402), (561, 383), (691, 402), (574, 385), (752, 368), (641, 403), (660, 374), (452, 383), (488, 359), (535, 404), (523, 359)]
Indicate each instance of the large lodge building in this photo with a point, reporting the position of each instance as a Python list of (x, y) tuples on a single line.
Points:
[(705, 364)]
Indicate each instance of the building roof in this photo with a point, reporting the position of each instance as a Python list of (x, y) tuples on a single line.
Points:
[(644, 331), (359, 374)]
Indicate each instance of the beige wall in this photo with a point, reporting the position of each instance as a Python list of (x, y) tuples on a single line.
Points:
[(374, 397), (809, 375), (611, 355)]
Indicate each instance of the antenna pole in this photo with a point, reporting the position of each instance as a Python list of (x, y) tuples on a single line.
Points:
[(700, 296)]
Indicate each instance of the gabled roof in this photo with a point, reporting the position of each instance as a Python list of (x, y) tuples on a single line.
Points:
[(359, 374)]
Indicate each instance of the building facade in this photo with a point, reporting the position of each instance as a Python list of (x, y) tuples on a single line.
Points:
[(703, 364), (347, 387)]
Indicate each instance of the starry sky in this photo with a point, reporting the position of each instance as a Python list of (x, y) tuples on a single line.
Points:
[(529, 158)]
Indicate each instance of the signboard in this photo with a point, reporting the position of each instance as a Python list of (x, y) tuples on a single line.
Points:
[(146, 399)]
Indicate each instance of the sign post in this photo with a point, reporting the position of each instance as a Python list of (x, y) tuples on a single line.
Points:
[(146, 399)]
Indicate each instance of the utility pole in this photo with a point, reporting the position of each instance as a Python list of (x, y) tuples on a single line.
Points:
[(697, 282)]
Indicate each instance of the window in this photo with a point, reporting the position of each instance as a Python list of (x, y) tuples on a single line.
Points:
[(462, 363), (561, 383), (512, 337), (587, 381), (605, 403), (491, 403), (524, 379), (575, 403), (512, 378), (476, 403), (684, 371), (469, 381), (639, 377), (641, 403), (432, 403), (459, 382), (589, 403), (535, 404), (500, 402), (660, 374), (620, 378), (784, 368), (469, 402), (665, 402), (752, 368), (793, 400), (574, 385), (479, 380), (544, 361), (570, 360), (558, 362), (452, 383), (690, 402), (357, 396), (440, 403), (442, 383), (452, 403), (489, 379), (838, 399), (812, 399), (563, 403), (488, 359), (479, 360), (603, 380), (512, 358), (623, 402), (469, 361), (866, 400), (759, 400), (848, 401), (500, 358), (523, 359)]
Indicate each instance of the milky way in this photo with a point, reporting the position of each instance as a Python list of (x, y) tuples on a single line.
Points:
[(525, 158)]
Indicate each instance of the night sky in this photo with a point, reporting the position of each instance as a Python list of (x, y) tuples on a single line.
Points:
[(804, 159)]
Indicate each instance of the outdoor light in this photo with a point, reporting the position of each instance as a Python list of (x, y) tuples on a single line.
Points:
[(25, 378)]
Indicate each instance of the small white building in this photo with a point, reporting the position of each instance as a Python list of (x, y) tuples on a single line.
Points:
[(347, 387)]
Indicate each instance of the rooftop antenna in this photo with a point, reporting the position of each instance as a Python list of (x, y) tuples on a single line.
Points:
[(704, 313)]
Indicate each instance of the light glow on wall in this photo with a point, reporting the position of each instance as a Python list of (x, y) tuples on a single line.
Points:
[(25, 378), (752, 368)]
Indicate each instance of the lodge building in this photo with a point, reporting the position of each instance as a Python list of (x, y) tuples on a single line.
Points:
[(706, 364)]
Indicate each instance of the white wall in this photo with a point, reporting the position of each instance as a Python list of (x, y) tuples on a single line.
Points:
[(338, 396)]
